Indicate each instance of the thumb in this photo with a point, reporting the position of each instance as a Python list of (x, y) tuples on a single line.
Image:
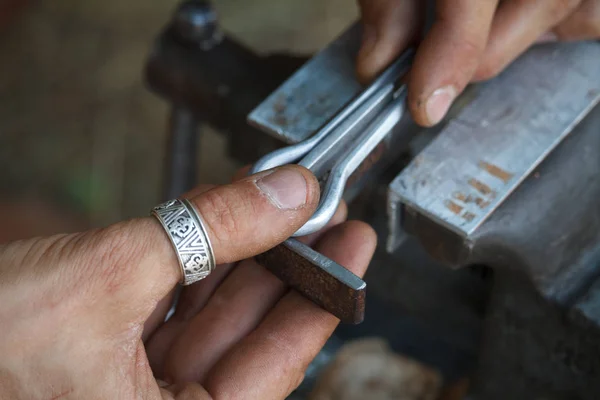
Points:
[(389, 27), (126, 268)]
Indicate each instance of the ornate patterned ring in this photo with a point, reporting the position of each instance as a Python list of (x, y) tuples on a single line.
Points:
[(186, 231)]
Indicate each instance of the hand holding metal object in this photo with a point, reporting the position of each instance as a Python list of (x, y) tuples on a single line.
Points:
[(350, 160), (293, 153), (356, 122), (349, 138)]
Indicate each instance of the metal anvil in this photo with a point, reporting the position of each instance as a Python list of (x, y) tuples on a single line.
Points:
[(454, 195), (463, 175), (509, 181)]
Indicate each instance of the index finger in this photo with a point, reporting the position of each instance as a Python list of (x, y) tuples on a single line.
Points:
[(281, 348), (448, 57)]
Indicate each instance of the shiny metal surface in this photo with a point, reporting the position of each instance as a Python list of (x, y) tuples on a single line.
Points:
[(187, 233), (324, 155), (338, 148), (314, 94), (350, 160), (483, 155), (293, 153)]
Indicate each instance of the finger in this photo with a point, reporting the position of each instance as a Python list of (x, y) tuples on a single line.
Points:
[(135, 263), (256, 213), (547, 37), (389, 26), (198, 190), (270, 362), (162, 308), (583, 24), (232, 312), (517, 25), (157, 317), (448, 57), (192, 299)]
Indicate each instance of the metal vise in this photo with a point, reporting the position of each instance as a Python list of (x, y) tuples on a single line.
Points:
[(510, 182)]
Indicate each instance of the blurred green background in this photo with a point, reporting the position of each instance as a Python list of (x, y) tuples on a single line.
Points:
[(81, 138)]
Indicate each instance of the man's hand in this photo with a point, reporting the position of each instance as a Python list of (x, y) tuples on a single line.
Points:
[(82, 314), (471, 40)]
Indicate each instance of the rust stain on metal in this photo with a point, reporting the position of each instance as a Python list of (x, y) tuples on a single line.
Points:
[(452, 206), (334, 294), (481, 202), (469, 216), (279, 108), (496, 171), (467, 199), (481, 187), (280, 105), (462, 197)]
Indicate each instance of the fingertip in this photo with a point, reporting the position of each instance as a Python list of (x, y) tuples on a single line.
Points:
[(369, 41), (448, 57), (290, 187), (351, 244), (249, 216)]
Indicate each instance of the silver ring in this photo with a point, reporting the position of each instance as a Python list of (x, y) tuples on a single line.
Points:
[(186, 231)]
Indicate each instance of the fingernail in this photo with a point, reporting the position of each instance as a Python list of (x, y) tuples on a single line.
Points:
[(547, 37), (438, 104), (162, 384), (285, 187)]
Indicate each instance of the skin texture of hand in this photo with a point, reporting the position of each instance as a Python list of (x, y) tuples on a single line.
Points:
[(470, 40), (82, 314)]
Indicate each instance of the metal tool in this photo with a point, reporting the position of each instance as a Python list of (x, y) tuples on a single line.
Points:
[(538, 334), (343, 139), (513, 184), (348, 138), (350, 160), (293, 153), (318, 278), (485, 153)]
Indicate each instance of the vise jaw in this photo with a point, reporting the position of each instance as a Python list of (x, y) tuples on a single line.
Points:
[(494, 140)]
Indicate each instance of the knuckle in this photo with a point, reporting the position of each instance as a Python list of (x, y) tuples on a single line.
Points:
[(488, 69), (220, 211), (468, 49), (114, 251)]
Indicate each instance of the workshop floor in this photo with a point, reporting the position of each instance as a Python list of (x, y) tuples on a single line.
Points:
[(81, 139)]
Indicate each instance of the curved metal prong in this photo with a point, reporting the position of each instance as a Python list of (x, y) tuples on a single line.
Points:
[(349, 162), (295, 152)]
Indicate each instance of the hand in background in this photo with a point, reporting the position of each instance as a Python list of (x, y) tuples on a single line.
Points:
[(471, 40)]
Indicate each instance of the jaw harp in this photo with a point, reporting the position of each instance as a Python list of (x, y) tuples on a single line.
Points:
[(333, 137)]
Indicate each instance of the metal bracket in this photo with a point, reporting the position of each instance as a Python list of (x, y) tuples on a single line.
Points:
[(484, 154), (333, 138)]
